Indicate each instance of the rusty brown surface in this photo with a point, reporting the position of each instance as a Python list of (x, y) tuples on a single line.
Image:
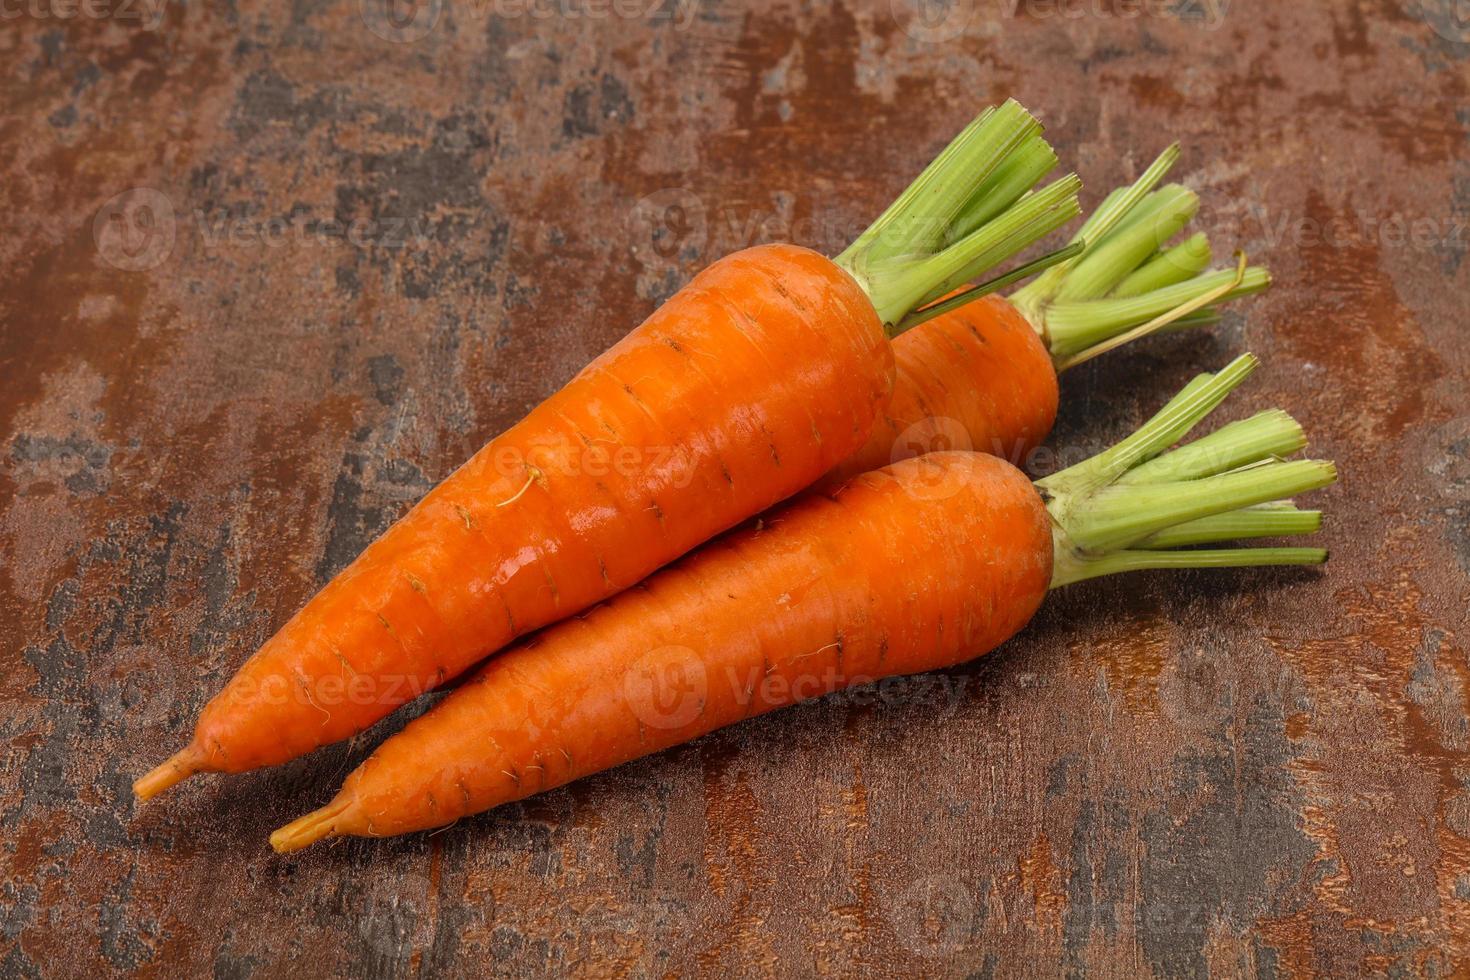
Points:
[(1234, 774)]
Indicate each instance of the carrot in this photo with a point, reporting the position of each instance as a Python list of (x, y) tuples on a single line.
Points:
[(984, 375), (979, 377), (915, 567), (756, 378)]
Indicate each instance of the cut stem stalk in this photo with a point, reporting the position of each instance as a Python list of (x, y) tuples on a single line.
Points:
[(1179, 264), (1075, 570), (970, 210), (1274, 520), (1121, 509), (1075, 327), (1270, 434)]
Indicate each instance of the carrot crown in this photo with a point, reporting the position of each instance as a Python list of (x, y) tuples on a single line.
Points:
[(970, 210), (1128, 280), (1135, 505)]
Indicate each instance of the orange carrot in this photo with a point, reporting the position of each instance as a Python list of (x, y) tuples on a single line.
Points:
[(979, 377), (983, 376), (914, 567), (755, 379)]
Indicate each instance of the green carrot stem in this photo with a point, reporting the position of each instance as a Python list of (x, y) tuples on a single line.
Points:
[(1175, 265), (1114, 208), (1160, 323), (1270, 434), (984, 133), (1207, 317), (908, 284), (1181, 414), (1274, 520), (1120, 516), (1159, 218), (1069, 569), (1073, 327), (917, 220), (967, 212), (1013, 178), (1129, 501), (995, 285), (1129, 283)]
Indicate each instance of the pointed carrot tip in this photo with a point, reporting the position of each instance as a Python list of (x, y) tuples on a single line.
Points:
[(179, 767), (305, 831)]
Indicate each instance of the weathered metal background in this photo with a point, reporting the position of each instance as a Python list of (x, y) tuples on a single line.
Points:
[(271, 270)]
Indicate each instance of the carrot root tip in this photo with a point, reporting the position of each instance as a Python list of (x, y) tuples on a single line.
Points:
[(180, 766), (304, 831)]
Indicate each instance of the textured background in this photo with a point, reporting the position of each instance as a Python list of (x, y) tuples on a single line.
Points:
[(270, 271)]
